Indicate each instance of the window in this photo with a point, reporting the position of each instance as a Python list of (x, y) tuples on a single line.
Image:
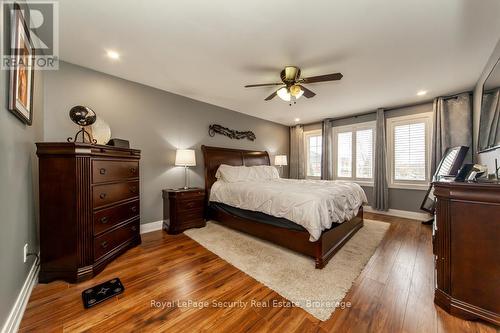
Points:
[(344, 155), (353, 152), (314, 142), (408, 150)]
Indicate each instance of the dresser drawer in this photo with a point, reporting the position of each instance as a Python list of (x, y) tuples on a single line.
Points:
[(107, 218), (107, 194), (107, 170), (109, 241)]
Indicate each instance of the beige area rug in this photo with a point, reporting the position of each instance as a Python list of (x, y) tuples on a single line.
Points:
[(293, 275)]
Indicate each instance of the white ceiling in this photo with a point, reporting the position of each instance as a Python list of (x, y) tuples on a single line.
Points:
[(208, 50)]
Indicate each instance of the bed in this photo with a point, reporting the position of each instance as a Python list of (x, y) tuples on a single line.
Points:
[(279, 231)]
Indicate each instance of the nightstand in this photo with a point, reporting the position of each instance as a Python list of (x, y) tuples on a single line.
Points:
[(186, 209)]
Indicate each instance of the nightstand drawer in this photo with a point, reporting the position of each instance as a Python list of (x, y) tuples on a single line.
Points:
[(190, 205), (106, 170), (107, 218), (195, 215), (111, 240), (189, 194), (108, 194)]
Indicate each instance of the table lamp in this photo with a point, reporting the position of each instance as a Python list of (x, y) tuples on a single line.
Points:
[(280, 160), (185, 158)]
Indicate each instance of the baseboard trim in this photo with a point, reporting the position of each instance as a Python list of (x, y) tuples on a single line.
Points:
[(399, 213), (151, 226), (13, 321)]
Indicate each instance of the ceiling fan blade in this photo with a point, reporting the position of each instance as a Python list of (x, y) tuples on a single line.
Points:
[(307, 93), (263, 85), (270, 97), (322, 78)]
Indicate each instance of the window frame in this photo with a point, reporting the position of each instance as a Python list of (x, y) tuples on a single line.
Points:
[(354, 128), (307, 135), (391, 123)]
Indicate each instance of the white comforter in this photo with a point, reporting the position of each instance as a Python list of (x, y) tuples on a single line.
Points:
[(314, 204)]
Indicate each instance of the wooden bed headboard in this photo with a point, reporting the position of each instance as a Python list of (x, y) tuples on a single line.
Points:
[(215, 156)]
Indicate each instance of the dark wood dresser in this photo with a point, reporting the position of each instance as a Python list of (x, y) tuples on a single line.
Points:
[(466, 241), (186, 209), (89, 208)]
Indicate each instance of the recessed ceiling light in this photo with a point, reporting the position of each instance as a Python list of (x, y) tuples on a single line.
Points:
[(113, 55), (422, 93), (297, 119)]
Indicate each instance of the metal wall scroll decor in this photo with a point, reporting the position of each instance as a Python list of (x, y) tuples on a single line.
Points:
[(82, 116), (233, 134)]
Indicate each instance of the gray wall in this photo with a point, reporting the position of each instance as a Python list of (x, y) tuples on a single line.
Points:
[(401, 199), (18, 193), (155, 121), (487, 158)]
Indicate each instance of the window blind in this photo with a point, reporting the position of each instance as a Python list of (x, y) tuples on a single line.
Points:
[(314, 150), (344, 154), (364, 153), (409, 152)]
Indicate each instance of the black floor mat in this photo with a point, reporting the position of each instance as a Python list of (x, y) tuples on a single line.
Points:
[(102, 292)]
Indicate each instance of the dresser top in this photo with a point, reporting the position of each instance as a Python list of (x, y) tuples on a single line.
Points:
[(470, 184), (79, 148)]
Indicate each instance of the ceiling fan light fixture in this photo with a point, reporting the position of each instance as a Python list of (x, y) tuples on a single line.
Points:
[(284, 94), (296, 91)]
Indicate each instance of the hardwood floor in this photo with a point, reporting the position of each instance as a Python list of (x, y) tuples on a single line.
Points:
[(394, 293)]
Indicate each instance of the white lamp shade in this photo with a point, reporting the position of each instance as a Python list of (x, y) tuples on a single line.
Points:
[(185, 157), (280, 160)]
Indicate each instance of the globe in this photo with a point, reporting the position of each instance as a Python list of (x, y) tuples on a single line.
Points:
[(82, 115)]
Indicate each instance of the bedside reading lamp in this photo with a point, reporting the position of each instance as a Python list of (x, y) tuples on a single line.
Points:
[(185, 158), (280, 160)]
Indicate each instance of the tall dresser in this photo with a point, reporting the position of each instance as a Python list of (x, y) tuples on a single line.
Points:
[(89, 208), (466, 241)]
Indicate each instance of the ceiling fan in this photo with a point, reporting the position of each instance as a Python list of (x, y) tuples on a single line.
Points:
[(292, 84)]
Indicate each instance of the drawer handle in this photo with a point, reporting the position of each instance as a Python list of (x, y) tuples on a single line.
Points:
[(134, 228), (133, 209), (102, 171), (104, 244), (133, 189), (190, 204), (133, 170), (102, 195), (104, 219)]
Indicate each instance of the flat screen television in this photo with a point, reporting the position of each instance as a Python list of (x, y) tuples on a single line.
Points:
[(448, 167)]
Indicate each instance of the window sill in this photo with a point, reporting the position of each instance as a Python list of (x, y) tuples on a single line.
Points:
[(420, 187), (366, 183)]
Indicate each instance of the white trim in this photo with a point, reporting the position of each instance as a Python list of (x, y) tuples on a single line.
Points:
[(400, 213), (391, 123), (151, 226), (16, 313)]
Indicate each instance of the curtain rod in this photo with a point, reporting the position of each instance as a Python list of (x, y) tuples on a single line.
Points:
[(391, 108)]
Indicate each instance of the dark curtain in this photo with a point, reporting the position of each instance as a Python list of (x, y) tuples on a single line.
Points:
[(327, 150), (452, 126), (297, 155), (380, 186)]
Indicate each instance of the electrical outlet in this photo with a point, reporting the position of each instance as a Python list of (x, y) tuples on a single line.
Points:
[(25, 252)]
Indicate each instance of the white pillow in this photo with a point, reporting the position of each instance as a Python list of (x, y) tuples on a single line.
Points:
[(234, 174)]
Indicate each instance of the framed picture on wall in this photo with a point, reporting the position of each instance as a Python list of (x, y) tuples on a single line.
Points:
[(21, 78)]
